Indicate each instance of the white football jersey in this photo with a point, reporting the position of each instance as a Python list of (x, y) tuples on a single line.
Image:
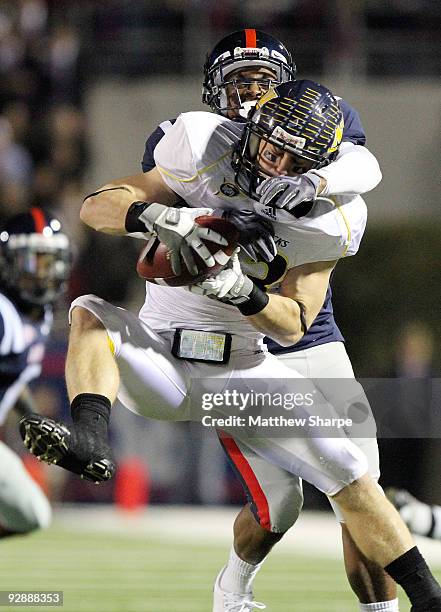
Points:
[(194, 159)]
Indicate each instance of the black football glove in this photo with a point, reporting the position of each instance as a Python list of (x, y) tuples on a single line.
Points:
[(256, 234)]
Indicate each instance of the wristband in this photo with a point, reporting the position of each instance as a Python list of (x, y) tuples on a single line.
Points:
[(256, 302), (133, 223)]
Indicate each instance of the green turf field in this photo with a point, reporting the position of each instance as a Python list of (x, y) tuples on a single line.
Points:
[(118, 573)]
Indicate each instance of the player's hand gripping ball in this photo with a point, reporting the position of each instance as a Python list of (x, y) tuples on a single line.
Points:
[(154, 260)]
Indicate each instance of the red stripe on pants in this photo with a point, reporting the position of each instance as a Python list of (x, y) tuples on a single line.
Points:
[(250, 479)]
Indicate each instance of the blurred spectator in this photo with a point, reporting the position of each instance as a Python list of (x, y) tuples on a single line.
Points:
[(15, 160), (405, 461), (13, 199), (63, 55), (415, 349), (19, 116), (33, 17), (42, 135), (70, 197), (68, 148), (45, 186)]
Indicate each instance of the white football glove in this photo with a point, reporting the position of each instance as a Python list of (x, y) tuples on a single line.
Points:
[(230, 285), (288, 191), (176, 228)]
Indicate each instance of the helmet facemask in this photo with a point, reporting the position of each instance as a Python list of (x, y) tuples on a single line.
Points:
[(238, 85), (36, 267)]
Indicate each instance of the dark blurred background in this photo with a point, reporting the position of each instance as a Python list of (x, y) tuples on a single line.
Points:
[(82, 85)]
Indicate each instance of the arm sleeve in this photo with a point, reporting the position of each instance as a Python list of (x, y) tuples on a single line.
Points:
[(355, 171), (148, 160), (353, 130)]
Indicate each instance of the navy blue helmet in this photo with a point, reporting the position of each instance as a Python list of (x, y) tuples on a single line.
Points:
[(35, 257), (243, 50)]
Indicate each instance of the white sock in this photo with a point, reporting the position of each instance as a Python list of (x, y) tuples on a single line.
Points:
[(238, 575), (385, 606)]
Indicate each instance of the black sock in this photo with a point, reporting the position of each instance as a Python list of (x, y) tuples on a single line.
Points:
[(92, 411), (412, 573)]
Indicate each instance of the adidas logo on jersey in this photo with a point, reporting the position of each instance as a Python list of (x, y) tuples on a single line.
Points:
[(269, 212)]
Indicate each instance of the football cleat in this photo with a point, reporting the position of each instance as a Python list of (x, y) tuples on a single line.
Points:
[(223, 601), (71, 447)]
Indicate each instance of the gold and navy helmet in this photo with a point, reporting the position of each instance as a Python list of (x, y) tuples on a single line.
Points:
[(241, 50), (300, 117), (35, 257)]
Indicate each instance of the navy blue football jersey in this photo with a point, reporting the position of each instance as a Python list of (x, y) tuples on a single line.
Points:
[(22, 346), (324, 328)]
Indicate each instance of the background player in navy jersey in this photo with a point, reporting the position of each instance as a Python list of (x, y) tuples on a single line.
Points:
[(240, 68), (34, 263)]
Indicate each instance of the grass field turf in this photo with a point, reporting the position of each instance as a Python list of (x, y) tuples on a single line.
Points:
[(119, 573)]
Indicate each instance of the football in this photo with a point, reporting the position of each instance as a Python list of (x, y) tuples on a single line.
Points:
[(154, 260)]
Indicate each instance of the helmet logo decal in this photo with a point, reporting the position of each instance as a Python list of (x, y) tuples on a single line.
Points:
[(297, 141), (338, 136), (252, 52), (270, 94)]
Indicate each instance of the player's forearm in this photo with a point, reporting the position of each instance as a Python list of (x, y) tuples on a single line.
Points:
[(355, 171), (288, 315), (279, 320), (105, 209)]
